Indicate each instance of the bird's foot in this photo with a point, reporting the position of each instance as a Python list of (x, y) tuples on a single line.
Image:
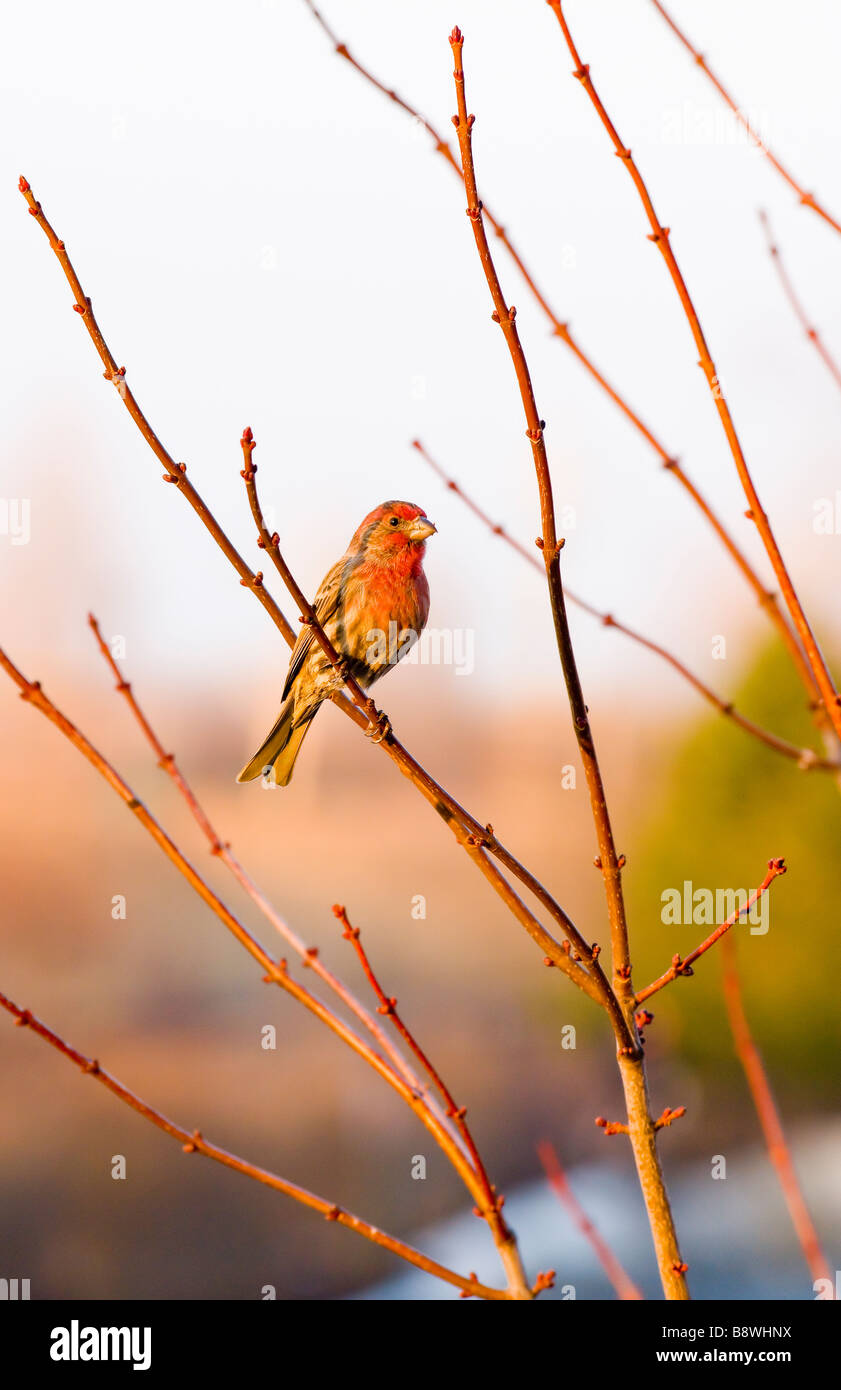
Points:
[(380, 725)]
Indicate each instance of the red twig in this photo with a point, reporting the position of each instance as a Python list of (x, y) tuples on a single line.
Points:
[(561, 331), (805, 758), (769, 1116), (791, 294), (612, 1127), (683, 965), (275, 972), (669, 1116), (194, 1142), (807, 199), (813, 668), (175, 473), (620, 998), (593, 983), (457, 1113), (222, 849), (622, 1283), (550, 546)]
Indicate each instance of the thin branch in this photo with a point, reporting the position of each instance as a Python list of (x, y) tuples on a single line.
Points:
[(791, 294), (622, 1282), (468, 831), (176, 473), (275, 972), (807, 199), (388, 1007), (309, 956), (561, 330), (805, 758), (813, 669), (683, 965), (641, 1126), (194, 1142), (769, 1116), (550, 547), (594, 983)]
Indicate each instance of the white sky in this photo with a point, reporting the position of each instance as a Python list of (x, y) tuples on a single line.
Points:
[(267, 241)]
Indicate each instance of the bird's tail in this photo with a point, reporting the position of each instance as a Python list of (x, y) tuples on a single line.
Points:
[(276, 755)]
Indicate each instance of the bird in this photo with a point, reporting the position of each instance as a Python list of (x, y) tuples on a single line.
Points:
[(373, 605)]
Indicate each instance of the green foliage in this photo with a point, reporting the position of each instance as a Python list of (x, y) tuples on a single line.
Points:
[(729, 805)]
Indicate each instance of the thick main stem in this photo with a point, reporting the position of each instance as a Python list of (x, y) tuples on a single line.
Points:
[(643, 1137), (618, 1000)]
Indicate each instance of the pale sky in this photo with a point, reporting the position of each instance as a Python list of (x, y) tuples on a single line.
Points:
[(268, 241)]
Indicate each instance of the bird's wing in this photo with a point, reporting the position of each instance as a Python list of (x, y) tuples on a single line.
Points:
[(326, 605)]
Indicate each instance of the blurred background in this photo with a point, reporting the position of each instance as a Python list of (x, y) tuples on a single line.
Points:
[(268, 241)]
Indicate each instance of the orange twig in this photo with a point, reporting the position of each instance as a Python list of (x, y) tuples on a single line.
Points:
[(550, 545), (561, 331), (683, 965), (309, 956), (805, 758), (176, 473), (630, 1059), (457, 1113), (612, 1127), (807, 199), (769, 1116), (808, 328), (275, 972), (594, 983), (194, 1142), (810, 661), (622, 1283), (668, 1117)]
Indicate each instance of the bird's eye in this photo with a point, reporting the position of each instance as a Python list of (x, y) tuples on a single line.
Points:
[(394, 521)]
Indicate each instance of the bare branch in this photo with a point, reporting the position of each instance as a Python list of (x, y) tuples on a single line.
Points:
[(769, 1116), (810, 662), (805, 758), (309, 956), (592, 983), (622, 1282), (388, 1006), (767, 600), (641, 1127), (276, 972), (807, 199), (195, 1142), (683, 965), (791, 295), (550, 547)]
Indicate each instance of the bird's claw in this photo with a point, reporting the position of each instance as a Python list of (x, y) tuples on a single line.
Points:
[(379, 727)]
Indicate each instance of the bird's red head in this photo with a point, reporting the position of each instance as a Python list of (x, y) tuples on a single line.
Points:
[(393, 531)]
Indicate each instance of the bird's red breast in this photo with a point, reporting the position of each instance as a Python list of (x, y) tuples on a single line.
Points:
[(377, 588)]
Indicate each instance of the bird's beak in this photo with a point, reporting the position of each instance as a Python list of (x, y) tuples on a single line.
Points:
[(421, 528)]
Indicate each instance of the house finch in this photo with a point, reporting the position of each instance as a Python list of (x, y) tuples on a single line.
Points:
[(373, 605)]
